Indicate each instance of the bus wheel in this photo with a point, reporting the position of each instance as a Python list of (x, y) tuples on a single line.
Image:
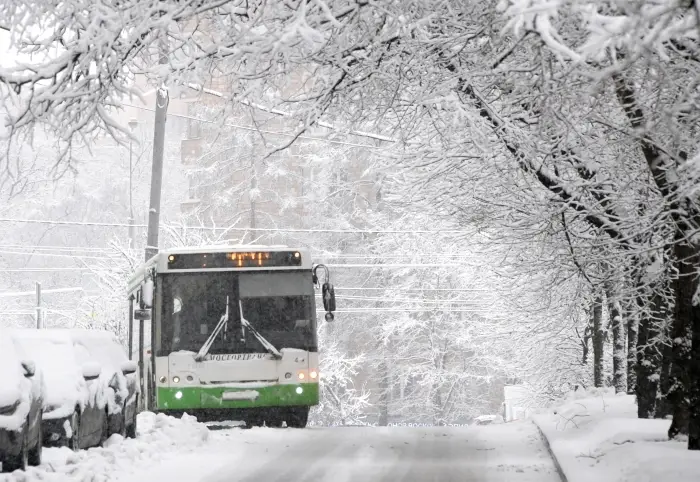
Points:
[(274, 421), (253, 421), (298, 417)]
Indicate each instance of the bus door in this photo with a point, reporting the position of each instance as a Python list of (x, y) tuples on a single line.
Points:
[(140, 336)]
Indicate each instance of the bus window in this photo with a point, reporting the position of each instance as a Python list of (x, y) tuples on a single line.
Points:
[(147, 337)]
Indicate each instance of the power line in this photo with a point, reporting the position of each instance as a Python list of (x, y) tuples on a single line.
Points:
[(63, 255), (396, 265), (406, 300), (253, 129), (31, 248), (264, 230), (54, 255), (407, 289), (282, 113), (47, 270), (53, 248), (411, 303), (43, 292), (395, 256), (349, 266), (404, 310)]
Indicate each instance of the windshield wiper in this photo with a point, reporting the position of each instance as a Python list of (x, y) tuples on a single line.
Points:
[(207, 344), (268, 346)]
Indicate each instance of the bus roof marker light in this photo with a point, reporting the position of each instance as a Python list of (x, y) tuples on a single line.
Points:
[(171, 258)]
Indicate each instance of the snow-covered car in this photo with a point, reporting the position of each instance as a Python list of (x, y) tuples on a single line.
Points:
[(118, 377), (21, 398), (488, 419), (74, 409)]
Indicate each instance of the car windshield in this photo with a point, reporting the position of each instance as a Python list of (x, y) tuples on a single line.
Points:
[(279, 306)]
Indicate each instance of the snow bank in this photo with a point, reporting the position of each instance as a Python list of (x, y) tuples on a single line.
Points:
[(596, 436), (159, 438)]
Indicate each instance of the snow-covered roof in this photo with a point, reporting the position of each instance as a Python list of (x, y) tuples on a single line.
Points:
[(103, 345), (486, 418), (10, 372), (64, 354), (52, 350), (14, 386)]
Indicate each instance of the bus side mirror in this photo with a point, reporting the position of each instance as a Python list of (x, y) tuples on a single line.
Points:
[(147, 293), (142, 314), (328, 295)]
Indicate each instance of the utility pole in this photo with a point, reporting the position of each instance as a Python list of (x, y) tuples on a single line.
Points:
[(38, 306), (132, 125), (162, 100)]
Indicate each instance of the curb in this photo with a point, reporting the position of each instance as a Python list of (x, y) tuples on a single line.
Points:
[(562, 475)]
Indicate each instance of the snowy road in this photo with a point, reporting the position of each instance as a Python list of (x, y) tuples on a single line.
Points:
[(171, 450), (492, 453)]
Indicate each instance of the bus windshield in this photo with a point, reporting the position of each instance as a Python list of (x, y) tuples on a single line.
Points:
[(279, 305)]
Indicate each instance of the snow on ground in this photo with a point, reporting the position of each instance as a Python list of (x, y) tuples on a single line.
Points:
[(596, 436), (510, 452), (173, 449), (159, 438)]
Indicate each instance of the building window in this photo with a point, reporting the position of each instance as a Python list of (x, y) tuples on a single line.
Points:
[(194, 129)]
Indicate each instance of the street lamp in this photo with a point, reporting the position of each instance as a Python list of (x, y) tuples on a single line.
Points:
[(133, 123)]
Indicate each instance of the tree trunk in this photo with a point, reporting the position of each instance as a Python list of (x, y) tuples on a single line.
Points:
[(383, 401), (618, 332), (684, 392), (598, 341), (648, 357), (684, 287), (694, 371), (664, 408), (632, 335)]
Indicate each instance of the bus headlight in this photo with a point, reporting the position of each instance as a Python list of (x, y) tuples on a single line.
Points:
[(162, 379), (176, 379), (313, 374), (301, 375)]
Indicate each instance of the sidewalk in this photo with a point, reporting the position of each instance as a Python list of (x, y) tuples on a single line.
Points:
[(596, 436)]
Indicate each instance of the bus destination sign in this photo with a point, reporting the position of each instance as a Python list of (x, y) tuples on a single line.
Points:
[(252, 259)]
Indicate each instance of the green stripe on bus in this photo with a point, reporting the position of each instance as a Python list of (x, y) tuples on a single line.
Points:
[(212, 397)]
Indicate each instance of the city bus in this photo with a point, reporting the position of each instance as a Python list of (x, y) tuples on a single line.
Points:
[(228, 333)]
